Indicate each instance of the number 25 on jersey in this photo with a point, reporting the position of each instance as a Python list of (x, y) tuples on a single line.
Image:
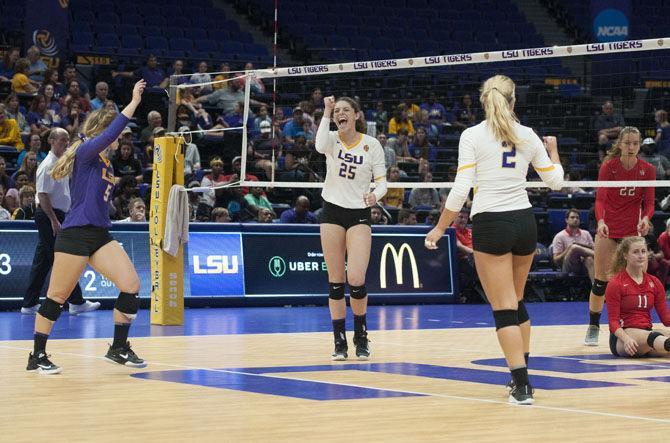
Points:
[(508, 157)]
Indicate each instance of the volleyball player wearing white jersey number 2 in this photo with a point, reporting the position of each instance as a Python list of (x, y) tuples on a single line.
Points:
[(494, 157), (353, 161)]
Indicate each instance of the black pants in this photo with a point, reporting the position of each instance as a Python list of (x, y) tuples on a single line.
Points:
[(43, 261)]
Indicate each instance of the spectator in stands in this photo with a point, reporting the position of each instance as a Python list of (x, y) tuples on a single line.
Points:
[(12, 201), (299, 213), (214, 178), (37, 67), (28, 167), (293, 127), (39, 117), (202, 77), (261, 117), (236, 118), (178, 69), (74, 118), (69, 74), (125, 163), (401, 120), (235, 175), (101, 94), (238, 207), (149, 148), (257, 200), (401, 147), (191, 155), (650, 154), (389, 152), (316, 99), (4, 213), (21, 84), (34, 145), (226, 99), (27, 209), (662, 132), (137, 211), (657, 265), (256, 87), (432, 218), (422, 151), (394, 196), (8, 64), (465, 255), (573, 176), (51, 78), (128, 191), (607, 125), (412, 108), (221, 215), (280, 118), (380, 117), (53, 106), (151, 73), (13, 111), (572, 248), (262, 147), (224, 68), (377, 217), (74, 94), (20, 179), (465, 113), (154, 120), (264, 215), (426, 197), (407, 217), (9, 130), (422, 121), (5, 180), (437, 113)]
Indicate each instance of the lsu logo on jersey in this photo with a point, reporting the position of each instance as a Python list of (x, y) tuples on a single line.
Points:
[(350, 158)]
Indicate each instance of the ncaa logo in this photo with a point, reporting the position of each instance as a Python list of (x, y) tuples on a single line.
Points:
[(277, 266), (610, 25)]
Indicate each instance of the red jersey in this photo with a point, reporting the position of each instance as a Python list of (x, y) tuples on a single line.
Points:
[(629, 304), (465, 237), (664, 244), (622, 208)]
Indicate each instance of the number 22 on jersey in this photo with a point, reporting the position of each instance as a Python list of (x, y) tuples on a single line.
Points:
[(508, 157)]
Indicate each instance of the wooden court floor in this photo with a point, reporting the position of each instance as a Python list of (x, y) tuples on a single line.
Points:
[(406, 396)]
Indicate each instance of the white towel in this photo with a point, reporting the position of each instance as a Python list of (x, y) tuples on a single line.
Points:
[(176, 225)]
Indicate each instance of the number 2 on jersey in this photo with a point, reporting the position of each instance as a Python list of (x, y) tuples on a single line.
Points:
[(508, 157), (347, 171), (627, 191)]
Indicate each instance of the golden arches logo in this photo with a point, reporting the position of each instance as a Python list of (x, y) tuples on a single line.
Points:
[(398, 260)]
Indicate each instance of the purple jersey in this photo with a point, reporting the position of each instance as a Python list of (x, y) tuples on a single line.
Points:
[(92, 181)]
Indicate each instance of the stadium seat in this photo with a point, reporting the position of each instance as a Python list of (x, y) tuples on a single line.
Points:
[(108, 17), (156, 45)]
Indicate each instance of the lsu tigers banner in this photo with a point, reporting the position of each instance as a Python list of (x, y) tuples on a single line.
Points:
[(167, 272), (46, 26)]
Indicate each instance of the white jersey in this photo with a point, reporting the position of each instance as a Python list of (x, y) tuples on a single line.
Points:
[(350, 168), (58, 190), (498, 172)]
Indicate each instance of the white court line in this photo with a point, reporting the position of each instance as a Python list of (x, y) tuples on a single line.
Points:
[(427, 394)]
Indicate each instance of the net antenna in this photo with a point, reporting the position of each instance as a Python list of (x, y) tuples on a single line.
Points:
[(452, 60)]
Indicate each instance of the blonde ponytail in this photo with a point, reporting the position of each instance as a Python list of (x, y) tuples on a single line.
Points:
[(615, 151), (497, 97), (96, 122)]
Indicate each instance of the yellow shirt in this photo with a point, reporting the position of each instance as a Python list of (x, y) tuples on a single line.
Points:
[(10, 135), (19, 83), (394, 126), (394, 197), (223, 85)]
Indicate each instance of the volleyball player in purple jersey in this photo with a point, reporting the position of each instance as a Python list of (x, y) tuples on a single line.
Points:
[(85, 239)]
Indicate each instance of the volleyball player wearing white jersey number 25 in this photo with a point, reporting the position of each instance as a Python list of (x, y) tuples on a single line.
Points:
[(353, 161), (494, 156)]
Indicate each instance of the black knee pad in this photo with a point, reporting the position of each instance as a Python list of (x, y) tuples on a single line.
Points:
[(505, 318), (653, 336), (336, 291), (522, 313), (127, 304), (50, 309), (598, 288), (358, 292)]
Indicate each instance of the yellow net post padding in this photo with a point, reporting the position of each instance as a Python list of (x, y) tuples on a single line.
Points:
[(167, 272)]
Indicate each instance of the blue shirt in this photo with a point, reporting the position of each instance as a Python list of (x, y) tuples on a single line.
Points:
[(290, 216), (153, 77), (92, 180)]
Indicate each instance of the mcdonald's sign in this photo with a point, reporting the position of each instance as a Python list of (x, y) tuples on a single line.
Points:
[(398, 260)]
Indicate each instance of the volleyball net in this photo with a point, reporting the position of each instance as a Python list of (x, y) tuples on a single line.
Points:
[(561, 91)]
